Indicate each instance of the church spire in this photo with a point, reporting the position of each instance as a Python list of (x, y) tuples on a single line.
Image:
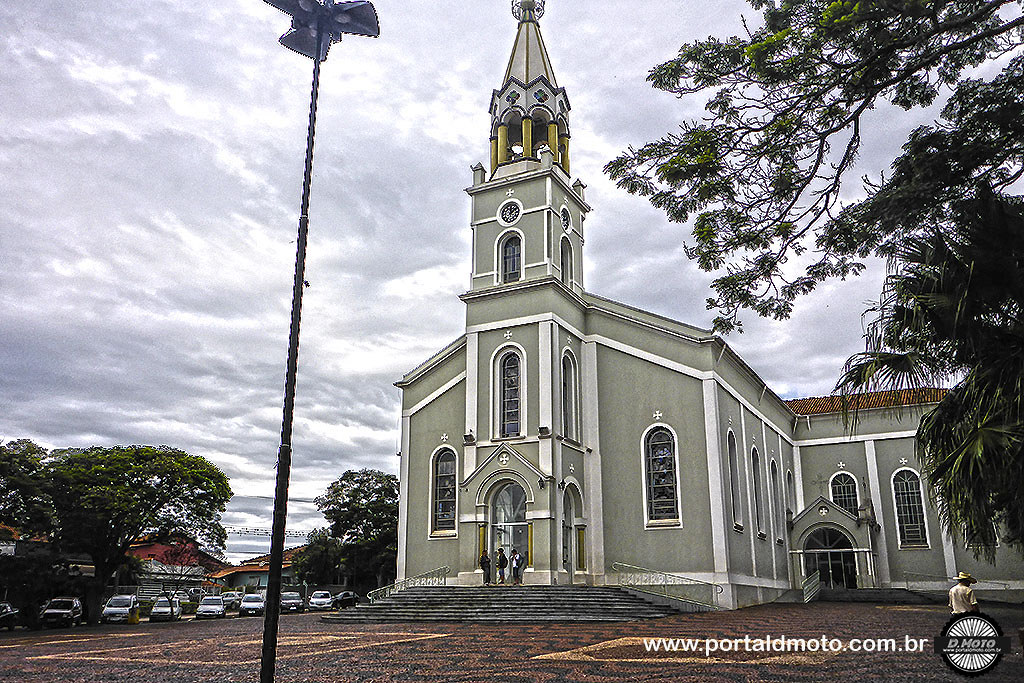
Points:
[(530, 111)]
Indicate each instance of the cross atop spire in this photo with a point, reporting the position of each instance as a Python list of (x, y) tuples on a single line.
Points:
[(528, 10)]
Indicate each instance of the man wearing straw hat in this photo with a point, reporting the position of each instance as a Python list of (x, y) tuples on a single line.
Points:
[(961, 597)]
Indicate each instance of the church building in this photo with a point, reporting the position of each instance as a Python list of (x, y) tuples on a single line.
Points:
[(596, 438)]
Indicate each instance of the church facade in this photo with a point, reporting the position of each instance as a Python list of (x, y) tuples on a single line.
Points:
[(585, 432)]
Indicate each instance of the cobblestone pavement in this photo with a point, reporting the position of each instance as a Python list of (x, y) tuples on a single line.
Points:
[(312, 650)]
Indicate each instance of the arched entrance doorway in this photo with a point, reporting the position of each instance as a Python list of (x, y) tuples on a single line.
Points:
[(509, 528), (829, 552)]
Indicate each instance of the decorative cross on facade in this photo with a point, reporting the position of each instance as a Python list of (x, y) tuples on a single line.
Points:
[(508, 334), (444, 437), (503, 458), (572, 468), (903, 461), (823, 511), (510, 192), (657, 415), (841, 465)]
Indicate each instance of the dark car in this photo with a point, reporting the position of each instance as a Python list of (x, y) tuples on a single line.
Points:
[(292, 602), (252, 603), (62, 612), (345, 599), (8, 616)]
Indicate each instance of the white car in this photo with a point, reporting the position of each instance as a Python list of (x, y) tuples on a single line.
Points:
[(253, 603), (165, 609), (119, 608), (321, 600), (211, 607)]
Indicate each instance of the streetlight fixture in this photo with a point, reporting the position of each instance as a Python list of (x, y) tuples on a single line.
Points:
[(316, 24)]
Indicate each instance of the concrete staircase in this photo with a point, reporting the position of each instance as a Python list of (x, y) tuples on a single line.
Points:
[(892, 596), (505, 604)]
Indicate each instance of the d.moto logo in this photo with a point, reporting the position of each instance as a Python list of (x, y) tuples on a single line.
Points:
[(972, 643)]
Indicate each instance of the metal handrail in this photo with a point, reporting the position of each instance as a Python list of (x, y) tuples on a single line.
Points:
[(667, 584), (435, 577), (947, 579), (811, 587)]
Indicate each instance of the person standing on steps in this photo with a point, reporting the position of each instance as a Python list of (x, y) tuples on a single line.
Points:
[(485, 564), (517, 564), (502, 562)]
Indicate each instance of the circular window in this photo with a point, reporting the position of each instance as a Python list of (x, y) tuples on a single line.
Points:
[(510, 212), (566, 220)]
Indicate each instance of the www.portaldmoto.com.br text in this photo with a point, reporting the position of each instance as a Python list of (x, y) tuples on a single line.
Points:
[(774, 644)]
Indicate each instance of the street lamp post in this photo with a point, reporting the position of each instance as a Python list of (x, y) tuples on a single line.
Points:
[(315, 25)]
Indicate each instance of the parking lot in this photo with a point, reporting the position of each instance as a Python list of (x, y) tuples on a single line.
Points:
[(312, 650)]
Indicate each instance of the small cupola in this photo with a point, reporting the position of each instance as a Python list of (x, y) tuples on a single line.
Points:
[(529, 113)]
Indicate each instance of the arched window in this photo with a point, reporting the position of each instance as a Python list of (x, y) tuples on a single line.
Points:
[(510, 403), (906, 489), (570, 418), (444, 491), (755, 464), (844, 492), (777, 502), (734, 483), (660, 462), (511, 258), (790, 492), (566, 263)]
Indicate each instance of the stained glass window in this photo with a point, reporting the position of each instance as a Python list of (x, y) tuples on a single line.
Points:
[(444, 491), (661, 476)]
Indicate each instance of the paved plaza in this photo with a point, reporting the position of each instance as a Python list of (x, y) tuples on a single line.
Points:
[(312, 650)]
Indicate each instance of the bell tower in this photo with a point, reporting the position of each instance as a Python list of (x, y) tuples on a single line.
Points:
[(528, 213)]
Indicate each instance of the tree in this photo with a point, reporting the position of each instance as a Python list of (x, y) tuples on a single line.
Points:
[(103, 499), (762, 173), (23, 499), (362, 507), (953, 305), (320, 561)]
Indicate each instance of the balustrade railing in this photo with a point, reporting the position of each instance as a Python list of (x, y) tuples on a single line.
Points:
[(918, 578), (435, 577), (701, 593)]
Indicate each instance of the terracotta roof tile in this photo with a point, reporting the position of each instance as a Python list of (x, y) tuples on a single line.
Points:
[(818, 405)]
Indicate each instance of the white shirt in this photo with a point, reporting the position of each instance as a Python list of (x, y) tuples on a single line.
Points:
[(961, 599)]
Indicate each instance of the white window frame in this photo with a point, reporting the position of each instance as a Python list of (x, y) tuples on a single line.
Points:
[(661, 523), (924, 511), (499, 246), (496, 390), (856, 490), (735, 485), (570, 431), (432, 532)]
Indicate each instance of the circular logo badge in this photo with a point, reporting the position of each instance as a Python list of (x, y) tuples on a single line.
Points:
[(972, 643)]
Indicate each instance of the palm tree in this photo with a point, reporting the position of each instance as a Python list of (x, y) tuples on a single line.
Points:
[(951, 312)]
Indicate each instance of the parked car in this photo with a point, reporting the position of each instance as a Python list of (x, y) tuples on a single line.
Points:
[(8, 616), (120, 608), (211, 607), (253, 603), (165, 609), (321, 600), (231, 599), (62, 612), (345, 599), (292, 602), (183, 596)]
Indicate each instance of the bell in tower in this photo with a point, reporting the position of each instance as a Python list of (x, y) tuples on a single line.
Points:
[(529, 112)]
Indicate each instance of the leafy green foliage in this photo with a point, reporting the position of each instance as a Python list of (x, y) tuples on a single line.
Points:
[(762, 173), (98, 501), (24, 503), (362, 507), (320, 562), (954, 306)]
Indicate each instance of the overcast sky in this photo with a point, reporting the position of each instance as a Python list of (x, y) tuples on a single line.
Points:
[(151, 157)]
